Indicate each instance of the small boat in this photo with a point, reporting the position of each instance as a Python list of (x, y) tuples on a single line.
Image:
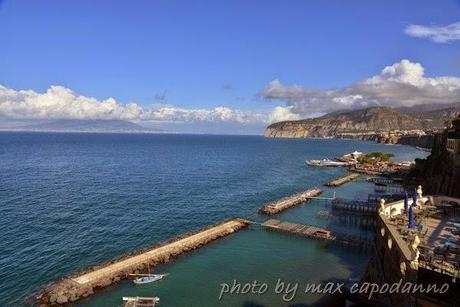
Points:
[(148, 278), (423, 148), (325, 162)]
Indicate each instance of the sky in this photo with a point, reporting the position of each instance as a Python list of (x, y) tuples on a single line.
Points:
[(220, 65)]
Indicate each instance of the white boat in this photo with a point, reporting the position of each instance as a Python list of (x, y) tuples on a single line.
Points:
[(148, 278), (423, 149), (325, 162)]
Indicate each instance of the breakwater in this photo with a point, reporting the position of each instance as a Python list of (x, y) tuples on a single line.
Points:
[(288, 202), (341, 180), (83, 284)]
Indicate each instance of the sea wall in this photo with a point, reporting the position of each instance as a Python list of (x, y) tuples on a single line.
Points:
[(83, 284)]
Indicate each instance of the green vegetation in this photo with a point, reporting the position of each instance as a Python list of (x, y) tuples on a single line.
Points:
[(375, 156)]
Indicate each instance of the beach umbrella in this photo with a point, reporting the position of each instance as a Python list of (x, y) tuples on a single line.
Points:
[(411, 218), (406, 202), (414, 198)]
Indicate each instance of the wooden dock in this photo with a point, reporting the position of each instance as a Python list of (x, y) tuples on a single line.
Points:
[(366, 207), (288, 202), (83, 284), (317, 233), (304, 230), (139, 301), (387, 185), (341, 180)]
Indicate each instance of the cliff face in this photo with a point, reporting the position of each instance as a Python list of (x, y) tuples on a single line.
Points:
[(371, 123), (439, 173), (367, 121)]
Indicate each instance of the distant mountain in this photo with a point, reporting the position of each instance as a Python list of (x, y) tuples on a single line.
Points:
[(76, 125), (426, 108), (370, 121)]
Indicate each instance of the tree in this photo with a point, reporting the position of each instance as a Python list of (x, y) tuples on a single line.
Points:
[(375, 156)]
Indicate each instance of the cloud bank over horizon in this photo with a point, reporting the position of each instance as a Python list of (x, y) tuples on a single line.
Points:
[(59, 102), (398, 85), (436, 34)]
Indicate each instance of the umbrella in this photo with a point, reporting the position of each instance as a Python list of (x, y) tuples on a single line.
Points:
[(411, 218), (414, 199), (406, 202)]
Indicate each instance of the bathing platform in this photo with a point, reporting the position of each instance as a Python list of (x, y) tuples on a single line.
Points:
[(139, 301), (304, 230), (317, 233), (288, 202), (358, 206)]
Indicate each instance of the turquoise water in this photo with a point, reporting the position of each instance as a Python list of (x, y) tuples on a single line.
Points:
[(256, 254), (68, 201), (264, 256)]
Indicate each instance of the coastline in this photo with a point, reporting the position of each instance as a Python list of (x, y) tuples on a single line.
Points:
[(424, 141)]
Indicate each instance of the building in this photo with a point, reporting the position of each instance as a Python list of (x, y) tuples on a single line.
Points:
[(424, 255), (453, 140)]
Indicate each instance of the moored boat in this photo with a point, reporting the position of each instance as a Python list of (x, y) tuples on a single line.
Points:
[(148, 278), (325, 162), (423, 148)]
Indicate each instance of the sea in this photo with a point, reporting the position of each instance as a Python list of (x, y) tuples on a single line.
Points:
[(73, 200)]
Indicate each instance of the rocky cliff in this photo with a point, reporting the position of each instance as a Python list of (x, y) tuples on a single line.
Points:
[(382, 124), (361, 122), (440, 172)]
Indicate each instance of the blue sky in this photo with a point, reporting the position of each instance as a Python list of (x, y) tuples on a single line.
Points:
[(206, 54)]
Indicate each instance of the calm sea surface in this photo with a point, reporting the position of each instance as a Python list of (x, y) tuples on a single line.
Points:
[(68, 201)]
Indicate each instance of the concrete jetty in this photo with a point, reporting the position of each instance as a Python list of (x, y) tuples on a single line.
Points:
[(83, 284), (288, 202), (341, 180)]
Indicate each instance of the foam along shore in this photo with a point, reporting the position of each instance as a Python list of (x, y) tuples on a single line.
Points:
[(83, 284), (290, 201)]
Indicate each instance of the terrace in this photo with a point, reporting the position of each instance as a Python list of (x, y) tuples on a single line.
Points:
[(433, 241)]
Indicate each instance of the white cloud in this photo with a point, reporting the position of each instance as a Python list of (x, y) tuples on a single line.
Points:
[(436, 34), (279, 114), (400, 84), (62, 103)]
